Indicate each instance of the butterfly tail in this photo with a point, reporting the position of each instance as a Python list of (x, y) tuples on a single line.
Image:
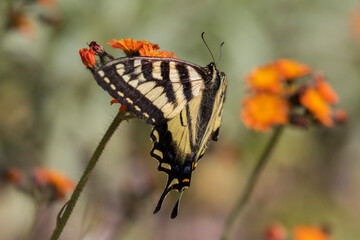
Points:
[(163, 196)]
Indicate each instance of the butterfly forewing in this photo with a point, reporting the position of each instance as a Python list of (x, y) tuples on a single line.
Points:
[(154, 89)]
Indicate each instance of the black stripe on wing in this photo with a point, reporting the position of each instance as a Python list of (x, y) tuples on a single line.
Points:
[(169, 90), (184, 76)]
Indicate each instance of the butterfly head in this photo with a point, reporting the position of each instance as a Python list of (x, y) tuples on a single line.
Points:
[(211, 69), (216, 77)]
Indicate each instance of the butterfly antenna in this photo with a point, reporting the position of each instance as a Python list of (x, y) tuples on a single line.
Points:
[(221, 45), (202, 36)]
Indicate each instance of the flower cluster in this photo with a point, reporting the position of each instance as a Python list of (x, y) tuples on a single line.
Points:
[(300, 232), (279, 96), (48, 183), (130, 47)]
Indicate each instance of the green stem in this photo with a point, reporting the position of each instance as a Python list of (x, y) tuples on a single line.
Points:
[(66, 211), (244, 197)]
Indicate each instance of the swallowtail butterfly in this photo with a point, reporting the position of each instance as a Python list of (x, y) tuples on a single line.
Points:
[(183, 102)]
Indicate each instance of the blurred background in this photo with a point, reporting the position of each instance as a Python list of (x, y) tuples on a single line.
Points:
[(53, 114)]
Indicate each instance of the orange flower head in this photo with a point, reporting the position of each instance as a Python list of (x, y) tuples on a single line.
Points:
[(310, 233), (166, 54), (47, 177), (131, 47), (265, 78), (263, 110), (315, 103), (291, 69), (87, 57), (154, 46), (148, 50), (13, 175), (324, 89)]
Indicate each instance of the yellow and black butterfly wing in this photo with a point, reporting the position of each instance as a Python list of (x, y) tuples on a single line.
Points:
[(182, 100), (181, 142), (154, 89)]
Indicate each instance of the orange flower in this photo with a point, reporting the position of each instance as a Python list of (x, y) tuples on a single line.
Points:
[(129, 46), (324, 89), (263, 110), (276, 101), (47, 177), (291, 69), (315, 103), (166, 54), (88, 57), (13, 175), (154, 46), (265, 78), (149, 51), (310, 233)]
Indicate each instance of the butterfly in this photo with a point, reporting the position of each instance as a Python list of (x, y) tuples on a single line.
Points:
[(183, 102)]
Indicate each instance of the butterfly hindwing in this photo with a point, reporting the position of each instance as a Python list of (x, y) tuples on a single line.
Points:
[(154, 89), (181, 142)]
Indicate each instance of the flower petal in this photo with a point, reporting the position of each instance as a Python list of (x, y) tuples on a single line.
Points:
[(324, 89), (291, 69), (315, 103), (265, 78), (62, 184), (310, 233)]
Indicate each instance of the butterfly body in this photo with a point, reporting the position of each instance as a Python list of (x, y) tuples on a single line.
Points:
[(183, 102)]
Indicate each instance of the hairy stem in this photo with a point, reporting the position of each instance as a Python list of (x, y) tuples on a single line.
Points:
[(244, 197), (66, 211)]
